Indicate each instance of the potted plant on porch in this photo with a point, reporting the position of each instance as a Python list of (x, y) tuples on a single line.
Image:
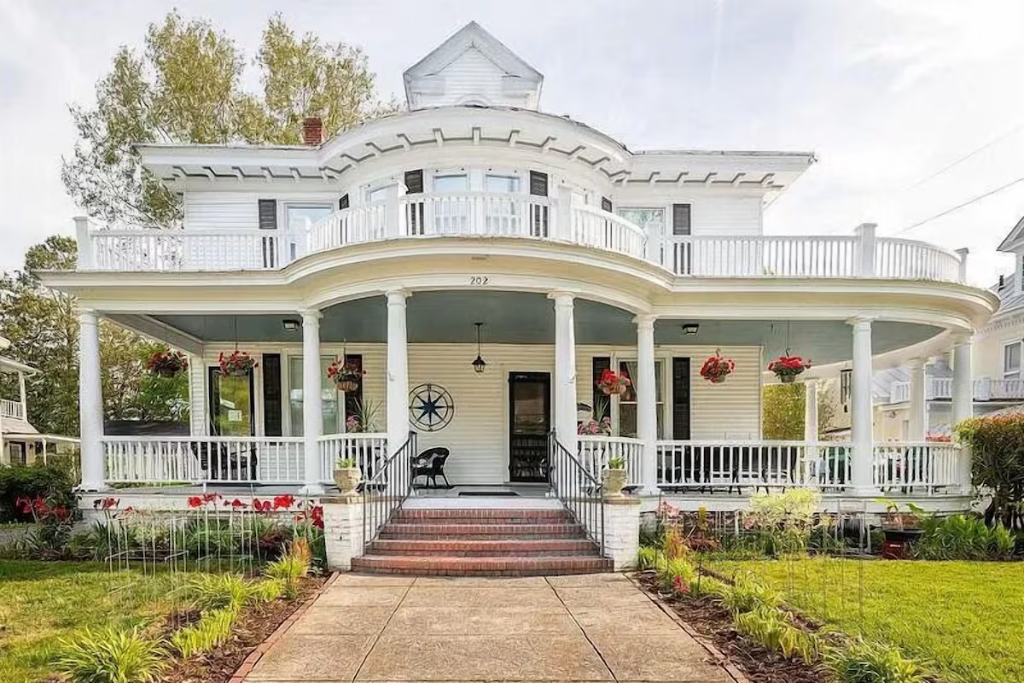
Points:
[(613, 383), (614, 477), (787, 368), (717, 367), (347, 476), (900, 528), (167, 363), (238, 364), (346, 376)]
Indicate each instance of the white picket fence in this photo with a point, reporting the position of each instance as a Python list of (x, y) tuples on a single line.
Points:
[(595, 451)]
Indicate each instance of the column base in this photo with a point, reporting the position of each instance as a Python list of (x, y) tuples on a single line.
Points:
[(91, 487), (649, 491), (312, 490), (865, 492)]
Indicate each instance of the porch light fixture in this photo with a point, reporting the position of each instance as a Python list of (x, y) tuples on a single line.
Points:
[(479, 365), (691, 328), (291, 324)]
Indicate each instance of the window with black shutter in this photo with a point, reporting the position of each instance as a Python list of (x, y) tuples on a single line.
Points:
[(538, 211), (681, 399), (606, 204), (343, 202), (272, 405), (680, 219), (414, 182), (268, 221), (599, 365), (354, 399)]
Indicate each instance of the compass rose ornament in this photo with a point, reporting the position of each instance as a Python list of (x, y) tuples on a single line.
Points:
[(431, 407)]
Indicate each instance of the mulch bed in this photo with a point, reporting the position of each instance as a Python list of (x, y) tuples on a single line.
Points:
[(714, 623), (254, 625)]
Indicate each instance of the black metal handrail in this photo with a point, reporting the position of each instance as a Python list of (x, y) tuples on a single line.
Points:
[(579, 490), (387, 488)]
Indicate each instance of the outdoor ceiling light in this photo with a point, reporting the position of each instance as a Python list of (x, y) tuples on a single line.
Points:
[(691, 328), (291, 324), (479, 365)]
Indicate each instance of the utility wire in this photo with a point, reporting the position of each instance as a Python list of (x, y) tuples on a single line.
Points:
[(960, 206), (967, 156)]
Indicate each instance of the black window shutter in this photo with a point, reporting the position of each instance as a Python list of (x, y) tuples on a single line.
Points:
[(538, 184), (272, 404), (681, 399), (343, 202), (606, 204), (268, 214), (680, 219), (599, 365), (414, 182), (353, 399)]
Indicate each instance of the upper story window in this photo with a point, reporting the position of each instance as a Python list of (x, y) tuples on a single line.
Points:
[(501, 183), (378, 194), (451, 183), (651, 219), (680, 219), (1011, 360), (301, 217)]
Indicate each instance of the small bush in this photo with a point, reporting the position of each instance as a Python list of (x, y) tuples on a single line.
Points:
[(292, 567), (647, 558), (747, 596), (962, 537), (218, 591), (772, 629), (55, 480), (111, 656), (212, 629), (865, 662), (267, 590)]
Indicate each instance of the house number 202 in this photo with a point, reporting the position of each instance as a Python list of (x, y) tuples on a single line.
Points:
[(479, 280)]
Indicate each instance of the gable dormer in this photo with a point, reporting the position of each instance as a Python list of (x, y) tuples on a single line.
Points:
[(472, 68), (1014, 244)]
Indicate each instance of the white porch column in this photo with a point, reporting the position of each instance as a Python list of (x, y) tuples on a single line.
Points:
[(918, 422), (565, 371), (22, 395), (90, 402), (647, 402), (810, 464), (963, 399), (312, 402), (862, 479), (398, 372)]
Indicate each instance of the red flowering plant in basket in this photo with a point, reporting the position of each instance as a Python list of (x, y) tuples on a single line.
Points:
[(786, 368), (238, 364), (346, 376), (613, 383), (167, 363), (717, 367)]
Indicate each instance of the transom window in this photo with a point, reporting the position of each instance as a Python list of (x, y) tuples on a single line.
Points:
[(501, 183), (1011, 360), (451, 183)]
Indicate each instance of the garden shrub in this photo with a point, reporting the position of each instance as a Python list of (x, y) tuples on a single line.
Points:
[(212, 629), (963, 537), (865, 662), (746, 595), (773, 629), (292, 567), (54, 481), (784, 520), (997, 464), (218, 591), (111, 655), (647, 558)]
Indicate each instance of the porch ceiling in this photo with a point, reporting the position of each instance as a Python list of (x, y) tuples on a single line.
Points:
[(528, 318)]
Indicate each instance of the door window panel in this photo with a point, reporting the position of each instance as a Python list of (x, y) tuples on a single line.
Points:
[(330, 407), (627, 401)]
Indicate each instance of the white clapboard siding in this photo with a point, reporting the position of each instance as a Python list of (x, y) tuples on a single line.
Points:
[(197, 395), (726, 216), (206, 210)]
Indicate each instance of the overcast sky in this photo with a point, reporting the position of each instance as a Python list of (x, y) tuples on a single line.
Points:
[(886, 93)]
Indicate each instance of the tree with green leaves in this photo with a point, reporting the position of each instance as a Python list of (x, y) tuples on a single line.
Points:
[(186, 86), (783, 416), (42, 326)]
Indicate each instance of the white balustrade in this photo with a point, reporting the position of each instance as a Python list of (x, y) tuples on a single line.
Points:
[(191, 250), (911, 260), (762, 256), (354, 225), (199, 459), (592, 227), (477, 214), (941, 388), (923, 467), (687, 465), (595, 451), (11, 409), (369, 451)]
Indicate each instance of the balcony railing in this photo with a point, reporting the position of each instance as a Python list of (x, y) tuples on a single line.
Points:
[(486, 214), (14, 410), (941, 388)]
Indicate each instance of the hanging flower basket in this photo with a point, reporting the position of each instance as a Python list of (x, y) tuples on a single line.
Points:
[(613, 383), (238, 364), (346, 377), (716, 368), (167, 363), (787, 368)]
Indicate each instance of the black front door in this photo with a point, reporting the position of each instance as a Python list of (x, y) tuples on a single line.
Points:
[(529, 416)]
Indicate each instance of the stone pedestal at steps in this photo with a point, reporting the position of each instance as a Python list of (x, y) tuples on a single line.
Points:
[(343, 530), (622, 531)]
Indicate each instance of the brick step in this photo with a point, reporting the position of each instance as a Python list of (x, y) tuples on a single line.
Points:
[(483, 548), (482, 516), (393, 530), (481, 566)]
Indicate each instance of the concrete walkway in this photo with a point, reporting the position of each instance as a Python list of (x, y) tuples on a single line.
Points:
[(575, 628)]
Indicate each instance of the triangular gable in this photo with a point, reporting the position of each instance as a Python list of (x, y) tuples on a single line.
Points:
[(1015, 240), (472, 67)]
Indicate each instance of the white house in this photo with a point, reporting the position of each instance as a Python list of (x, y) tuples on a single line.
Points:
[(395, 243)]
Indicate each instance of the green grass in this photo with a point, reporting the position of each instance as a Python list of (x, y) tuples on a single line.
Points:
[(965, 618), (41, 602)]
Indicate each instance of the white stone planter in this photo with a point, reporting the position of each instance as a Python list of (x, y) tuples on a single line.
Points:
[(347, 479), (612, 482)]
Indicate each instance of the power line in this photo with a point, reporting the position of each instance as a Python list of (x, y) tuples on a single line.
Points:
[(960, 206), (968, 155)]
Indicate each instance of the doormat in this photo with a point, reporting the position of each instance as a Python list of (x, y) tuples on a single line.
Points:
[(487, 493)]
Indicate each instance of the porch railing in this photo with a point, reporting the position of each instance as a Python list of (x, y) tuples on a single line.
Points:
[(595, 451), (917, 467), (941, 388), (368, 450), (12, 409), (199, 459), (387, 489), (578, 489)]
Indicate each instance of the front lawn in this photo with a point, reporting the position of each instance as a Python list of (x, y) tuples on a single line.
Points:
[(964, 617), (41, 602)]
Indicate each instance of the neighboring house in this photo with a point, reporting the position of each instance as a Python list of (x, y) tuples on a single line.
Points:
[(20, 442), (388, 243)]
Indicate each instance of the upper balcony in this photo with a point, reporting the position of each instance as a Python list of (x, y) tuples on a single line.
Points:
[(547, 219), (941, 389)]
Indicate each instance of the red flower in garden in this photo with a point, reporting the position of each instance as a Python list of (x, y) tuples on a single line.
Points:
[(261, 505), (297, 518), (237, 504), (283, 502), (195, 501), (210, 497), (111, 503), (680, 585), (316, 514)]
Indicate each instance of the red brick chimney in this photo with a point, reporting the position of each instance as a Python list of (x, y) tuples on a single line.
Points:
[(313, 131)]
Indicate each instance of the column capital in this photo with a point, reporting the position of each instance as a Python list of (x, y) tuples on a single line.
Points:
[(310, 315), (961, 339), (916, 363), (645, 320), (397, 296), (861, 322), (87, 316), (562, 298)]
